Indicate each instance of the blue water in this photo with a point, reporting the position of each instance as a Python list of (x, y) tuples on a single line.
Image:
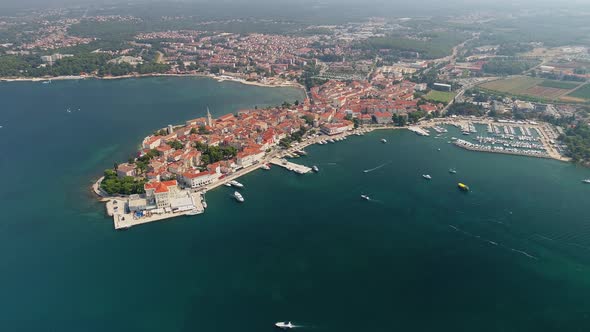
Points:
[(511, 255)]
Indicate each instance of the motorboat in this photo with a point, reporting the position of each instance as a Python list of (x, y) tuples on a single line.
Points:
[(284, 325), (236, 184), (452, 171), (586, 180), (238, 197), (315, 168), (427, 176), (266, 167), (383, 140), (365, 197)]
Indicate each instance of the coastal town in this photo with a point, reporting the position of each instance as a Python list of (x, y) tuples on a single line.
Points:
[(524, 98)]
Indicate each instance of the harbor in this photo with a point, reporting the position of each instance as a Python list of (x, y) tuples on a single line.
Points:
[(527, 139)]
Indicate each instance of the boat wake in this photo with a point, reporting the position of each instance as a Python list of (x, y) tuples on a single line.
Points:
[(376, 168), (492, 242)]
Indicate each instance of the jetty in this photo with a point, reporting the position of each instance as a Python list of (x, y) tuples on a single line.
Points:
[(300, 169), (419, 131)]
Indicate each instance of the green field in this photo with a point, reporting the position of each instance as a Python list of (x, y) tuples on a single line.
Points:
[(559, 84), (513, 85), (583, 92), (440, 96)]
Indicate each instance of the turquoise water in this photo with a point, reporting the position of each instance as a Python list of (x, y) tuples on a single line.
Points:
[(511, 255)]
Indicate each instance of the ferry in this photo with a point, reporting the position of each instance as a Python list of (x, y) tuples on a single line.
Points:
[(365, 197), (452, 171), (266, 167), (315, 168), (463, 187), (383, 140), (285, 325), (586, 180), (427, 176), (239, 197), (236, 184)]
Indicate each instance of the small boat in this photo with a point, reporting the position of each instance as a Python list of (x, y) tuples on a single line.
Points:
[(331, 141), (383, 140), (427, 176), (438, 149), (238, 197), (463, 187), (227, 184), (466, 133), (452, 171), (266, 167), (236, 184), (586, 180), (301, 152), (365, 197), (284, 325), (193, 212), (315, 168)]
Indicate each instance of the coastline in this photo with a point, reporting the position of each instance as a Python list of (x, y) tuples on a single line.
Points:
[(215, 77)]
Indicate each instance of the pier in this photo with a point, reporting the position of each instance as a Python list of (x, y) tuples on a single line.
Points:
[(300, 169)]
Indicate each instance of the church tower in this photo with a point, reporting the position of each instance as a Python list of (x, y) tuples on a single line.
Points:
[(209, 118)]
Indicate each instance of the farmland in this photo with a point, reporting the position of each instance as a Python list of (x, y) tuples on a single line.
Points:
[(440, 96), (582, 93), (559, 84), (530, 87)]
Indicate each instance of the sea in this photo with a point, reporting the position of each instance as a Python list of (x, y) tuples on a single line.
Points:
[(513, 254)]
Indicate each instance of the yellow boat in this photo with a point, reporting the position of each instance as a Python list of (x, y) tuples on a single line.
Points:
[(463, 187)]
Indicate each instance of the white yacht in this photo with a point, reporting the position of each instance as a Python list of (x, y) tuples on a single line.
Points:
[(236, 184), (315, 168), (238, 197), (586, 180), (427, 176), (284, 325)]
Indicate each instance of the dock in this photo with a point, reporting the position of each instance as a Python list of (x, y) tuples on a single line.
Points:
[(301, 169)]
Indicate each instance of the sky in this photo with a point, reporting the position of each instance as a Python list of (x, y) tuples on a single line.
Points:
[(386, 6)]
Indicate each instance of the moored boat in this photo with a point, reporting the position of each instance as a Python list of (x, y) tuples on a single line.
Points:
[(266, 167), (315, 168), (236, 184)]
